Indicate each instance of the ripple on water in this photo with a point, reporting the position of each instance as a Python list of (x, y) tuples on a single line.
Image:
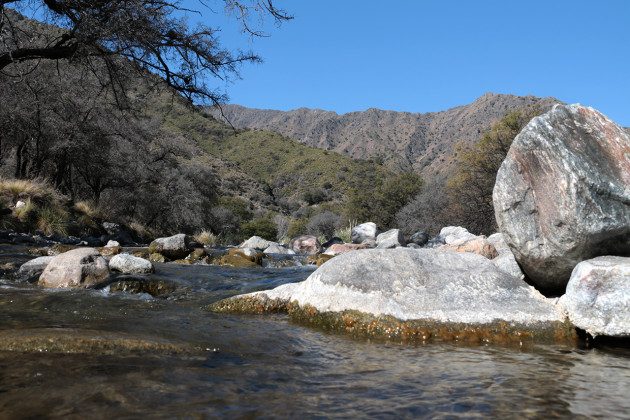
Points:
[(266, 366)]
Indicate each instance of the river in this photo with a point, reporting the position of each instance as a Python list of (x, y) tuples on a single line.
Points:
[(104, 354)]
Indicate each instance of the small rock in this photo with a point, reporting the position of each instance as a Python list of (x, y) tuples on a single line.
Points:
[(332, 241), (390, 239), (505, 261), (81, 267), (455, 235), (419, 238), (257, 242), (306, 244), (197, 254), (156, 257), (128, 264), (173, 247), (278, 249), (363, 232), (597, 299), (112, 244), (477, 245), (34, 268), (108, 251), (20, 204), (337, 249)]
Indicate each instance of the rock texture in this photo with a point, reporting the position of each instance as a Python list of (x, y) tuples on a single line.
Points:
[(364, 232), (598, 296), (258, 243), (173, 247), (477, 245), (453, 290), (562, 195), (34, 267), (336, 249), (306, 244), (505, 260), (391, 239), (278, 249), (82, 267), (128, 264)]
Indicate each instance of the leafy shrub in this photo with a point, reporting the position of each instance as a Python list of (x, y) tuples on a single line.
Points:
[(297, 227), (261, 226), (323, 224), (314, 196)]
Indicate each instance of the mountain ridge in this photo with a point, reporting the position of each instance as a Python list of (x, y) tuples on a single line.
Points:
[(422, 142)]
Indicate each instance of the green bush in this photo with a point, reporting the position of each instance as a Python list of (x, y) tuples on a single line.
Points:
[(297, 227), (264, 227)]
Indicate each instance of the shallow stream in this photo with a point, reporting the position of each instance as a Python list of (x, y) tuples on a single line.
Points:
[(114, 354)]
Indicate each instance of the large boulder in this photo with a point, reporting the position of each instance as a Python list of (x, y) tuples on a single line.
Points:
[(598, 296), (256, 242), (414, 293), (81, 267), (128, 264), (363, 232), (562, 195), (173, 247), (306, 244), (33, 268), (391, 239)]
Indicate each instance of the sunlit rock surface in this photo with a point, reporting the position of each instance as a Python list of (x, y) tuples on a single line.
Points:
[(424, 289), (598, 296), (562, 195)]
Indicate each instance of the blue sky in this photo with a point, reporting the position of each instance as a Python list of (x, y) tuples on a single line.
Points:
[(429, 55)]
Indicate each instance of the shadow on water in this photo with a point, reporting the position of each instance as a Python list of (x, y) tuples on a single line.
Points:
[(106, 354)]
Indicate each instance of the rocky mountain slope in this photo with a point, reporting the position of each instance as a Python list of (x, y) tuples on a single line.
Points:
[(424, 143)]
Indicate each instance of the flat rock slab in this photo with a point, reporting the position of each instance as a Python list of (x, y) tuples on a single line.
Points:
[(598, 296), (414, 293)]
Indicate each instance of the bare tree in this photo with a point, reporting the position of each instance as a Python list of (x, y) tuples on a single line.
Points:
[(151, 34)]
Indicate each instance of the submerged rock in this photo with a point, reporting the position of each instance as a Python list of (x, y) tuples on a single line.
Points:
[(81, 267), (241, 258), (153, 286), (173, 247), (598, 296), (128, 264), (390, 239), (306, 244), (33, 268), (363, 232), (413, 293), (562, 195)]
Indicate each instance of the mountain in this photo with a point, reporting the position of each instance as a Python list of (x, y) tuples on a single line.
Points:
[(424, 143)]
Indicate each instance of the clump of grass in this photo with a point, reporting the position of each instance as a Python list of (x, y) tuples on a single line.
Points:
[(36, 189), (26, 212), (143, 231), (206, 237), (88, 214), (52, 220), (345, 233)]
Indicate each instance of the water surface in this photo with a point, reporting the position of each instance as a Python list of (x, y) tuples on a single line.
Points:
[(249, 366)]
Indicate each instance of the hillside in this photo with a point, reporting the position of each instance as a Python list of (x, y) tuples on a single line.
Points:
[(421, 142), (263, 167)]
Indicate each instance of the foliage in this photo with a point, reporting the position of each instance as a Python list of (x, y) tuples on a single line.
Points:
[(297, 227), (323, 224), (205, 237), (389, 197), (470, 189), (260, 226), (149, 34)]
